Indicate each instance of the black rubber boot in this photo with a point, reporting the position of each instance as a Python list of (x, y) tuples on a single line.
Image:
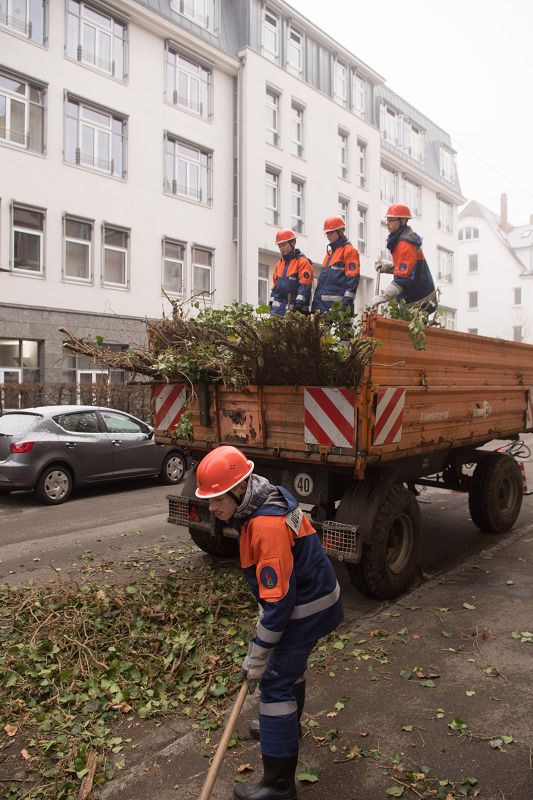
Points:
[(253, 729), (277, 782)]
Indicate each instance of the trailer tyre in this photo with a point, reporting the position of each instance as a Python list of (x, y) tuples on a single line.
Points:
[(390, 560), (495, 495), (220, 548)]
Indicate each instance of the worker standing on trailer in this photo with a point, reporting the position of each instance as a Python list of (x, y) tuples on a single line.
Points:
[(292, 279), (293, 580), (412, 280), (340, 274)]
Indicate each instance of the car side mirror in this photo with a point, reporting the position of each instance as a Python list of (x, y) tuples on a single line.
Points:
[(149, 434)]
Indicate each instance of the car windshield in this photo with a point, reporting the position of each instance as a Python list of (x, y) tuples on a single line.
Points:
[(17, 424)]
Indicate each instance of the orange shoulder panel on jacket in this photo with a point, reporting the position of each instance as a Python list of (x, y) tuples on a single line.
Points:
[(405, 257), (267, 542), (305, 271), (351, 259)]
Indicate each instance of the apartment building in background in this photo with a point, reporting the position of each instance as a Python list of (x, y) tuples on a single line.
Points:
[(150, 150), (495, 262)]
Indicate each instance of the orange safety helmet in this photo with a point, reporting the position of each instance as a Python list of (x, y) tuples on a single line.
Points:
[(285, 235), (221, 470), (333, 224), (398, 211)]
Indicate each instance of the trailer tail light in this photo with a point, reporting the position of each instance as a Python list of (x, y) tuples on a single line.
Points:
[(194, 514), (21, 447)]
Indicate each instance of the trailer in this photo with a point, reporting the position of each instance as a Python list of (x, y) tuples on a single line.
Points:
[(355, 456)]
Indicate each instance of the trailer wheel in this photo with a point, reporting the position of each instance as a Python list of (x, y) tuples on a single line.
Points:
[(222, 547), (495, 495), (390, 558)]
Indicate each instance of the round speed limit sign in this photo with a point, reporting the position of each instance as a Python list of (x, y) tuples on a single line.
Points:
[(303, 483)]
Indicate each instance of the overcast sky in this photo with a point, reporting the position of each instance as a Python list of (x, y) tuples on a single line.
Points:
[(468, 66)]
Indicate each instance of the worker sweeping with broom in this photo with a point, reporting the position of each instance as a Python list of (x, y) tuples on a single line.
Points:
[(293, 580)]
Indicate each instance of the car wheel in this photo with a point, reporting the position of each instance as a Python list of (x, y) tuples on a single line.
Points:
[(173, 468), (54, 485)]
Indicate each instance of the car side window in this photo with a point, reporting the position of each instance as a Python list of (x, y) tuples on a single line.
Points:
[(120, 423), (80, 422)]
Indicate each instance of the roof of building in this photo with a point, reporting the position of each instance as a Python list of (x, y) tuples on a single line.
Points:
[(508, 238)]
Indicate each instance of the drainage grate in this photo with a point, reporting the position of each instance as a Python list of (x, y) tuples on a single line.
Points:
[(178, 510), (341, 541)]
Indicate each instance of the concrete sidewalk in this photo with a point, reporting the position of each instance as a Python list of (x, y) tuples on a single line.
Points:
[(431, 686)]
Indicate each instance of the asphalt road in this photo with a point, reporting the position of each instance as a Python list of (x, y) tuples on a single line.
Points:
[(103, 524)]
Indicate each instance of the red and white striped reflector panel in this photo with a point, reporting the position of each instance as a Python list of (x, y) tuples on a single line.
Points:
[(389, 416), (329, 417), (170, 401), (529, 412)]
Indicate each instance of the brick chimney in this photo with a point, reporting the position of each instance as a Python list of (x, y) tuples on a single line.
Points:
[(504, 218)]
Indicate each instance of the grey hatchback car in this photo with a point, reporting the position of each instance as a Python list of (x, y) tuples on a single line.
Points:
[(51, 449)]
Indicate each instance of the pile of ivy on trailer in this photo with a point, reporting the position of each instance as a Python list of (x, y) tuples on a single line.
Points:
[(239, 345)]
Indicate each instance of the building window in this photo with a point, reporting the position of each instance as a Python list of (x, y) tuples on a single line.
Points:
[(22, 106), (359, 96), (272, 196), (187, 84), (413, 140), (271, 36), (388, 123), (361, 163), (445, 215), (202, 272), (295, 53), (342, 154), (95, 139), (19, 363), (340, 83), (187, 171), (389, 184), (272, 118), (445, 265), (25, 18), (115, 260), (361, 228), (344, 210), (447, 318), (202, 12), (28, 239), (447, 164), (297, 204), (472, 263), (173, 267), (262, 285), (412, 193), (468, 233), (517, 294), (517, 333), (90, 383), (472, 299), (297, 130), (473, 331), (96, 38), (78, 243)]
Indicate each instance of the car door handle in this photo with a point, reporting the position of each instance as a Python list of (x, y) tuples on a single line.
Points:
[(70, 445), (116, 442)]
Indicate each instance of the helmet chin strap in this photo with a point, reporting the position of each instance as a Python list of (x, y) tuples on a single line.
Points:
[(234, 497)]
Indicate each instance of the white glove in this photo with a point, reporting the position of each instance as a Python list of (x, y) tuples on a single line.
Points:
[(378, 265), (254, 664), (384, 266), (392, 291)]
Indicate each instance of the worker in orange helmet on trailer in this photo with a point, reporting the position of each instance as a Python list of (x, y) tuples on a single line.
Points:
[(412, 281), (292, 279), (340, 274), (292, 578)]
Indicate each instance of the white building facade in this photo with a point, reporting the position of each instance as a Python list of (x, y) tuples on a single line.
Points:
[(495, 274), (150, 150)]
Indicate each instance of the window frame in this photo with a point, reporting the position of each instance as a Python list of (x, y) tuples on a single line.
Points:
[(164, 259), (344, 210), (358, 91), (80, 122), (412, 194), (41, 234), (82, 21), (173, 190), (204, 79), (340, 80), (116, 249), (473, 269), (445, 269), (298, 70), (25, 100), (272, 55), (518, 333), (90, 243), (444, 215), (446, 163), (275, 174), (343, 161), (29, 26), (362, 227), (297, 121), (473, 296), (298, 195), (388, 175), (389, 123), (362, 163), (263, 280), (272, 98), (206, 296), (517, 296)]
